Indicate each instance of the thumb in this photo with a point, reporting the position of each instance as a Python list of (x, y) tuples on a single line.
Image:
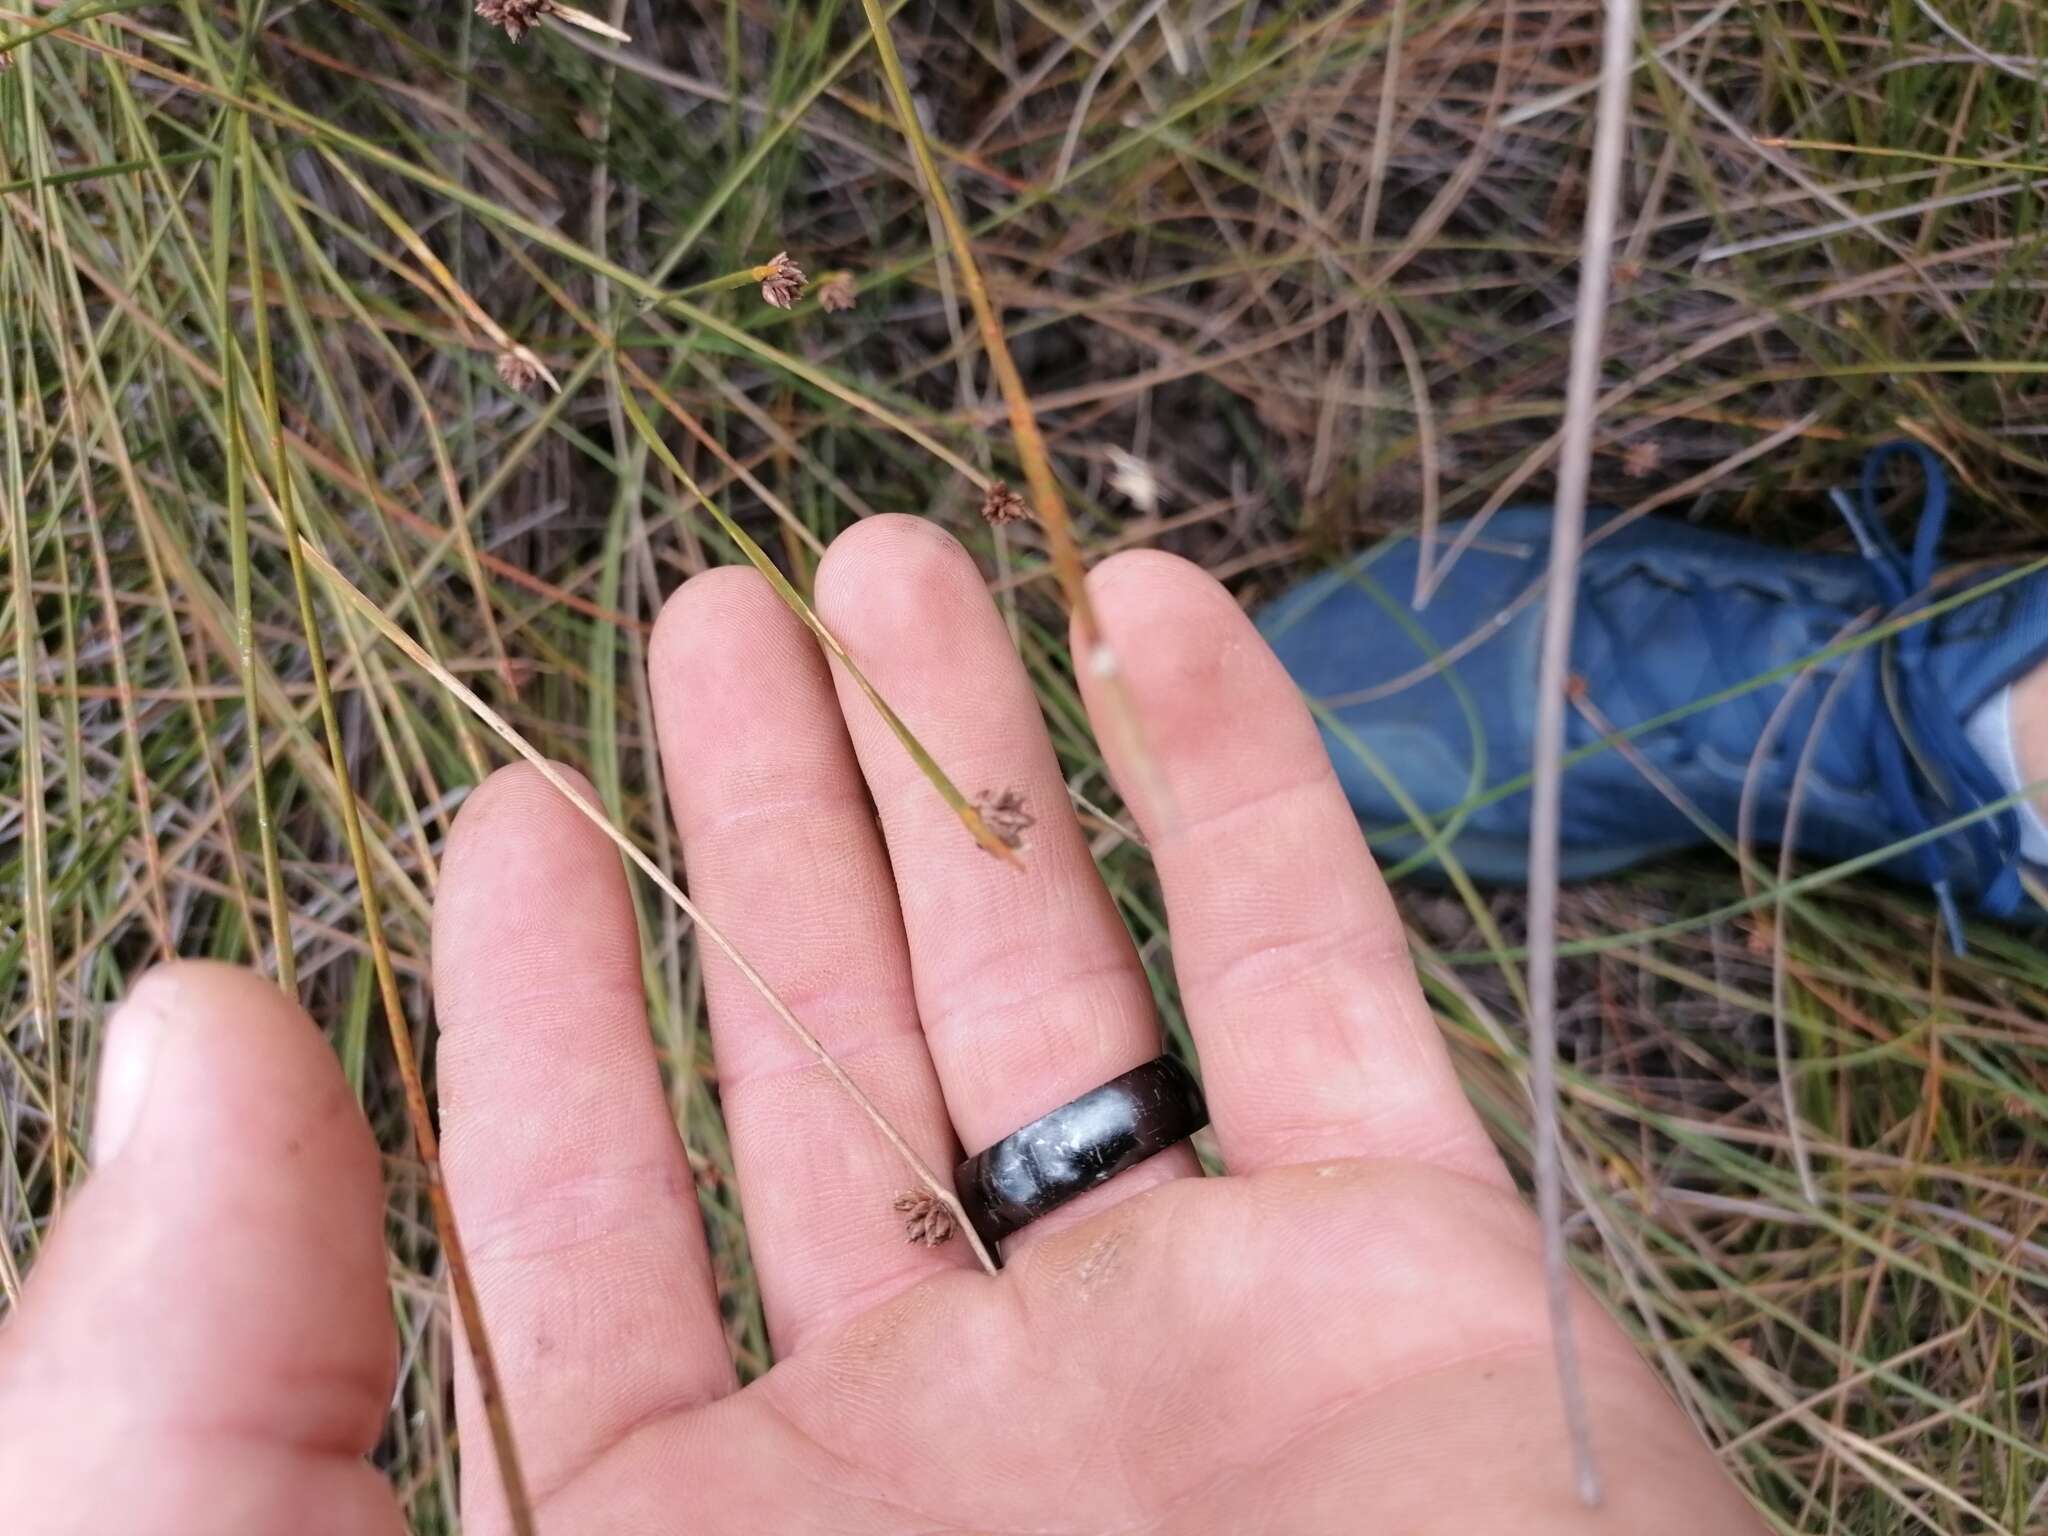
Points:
[(205, 1343)]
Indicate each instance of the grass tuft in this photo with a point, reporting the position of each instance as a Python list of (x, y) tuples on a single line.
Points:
[(479, 330)]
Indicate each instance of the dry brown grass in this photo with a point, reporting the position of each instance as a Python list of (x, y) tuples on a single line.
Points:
[(1309, 268)]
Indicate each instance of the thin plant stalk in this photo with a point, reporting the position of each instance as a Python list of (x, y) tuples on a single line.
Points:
[(1046, 498), (1547, 791), (940, 1190), (490, 1388), (35, 840), (131, 733), (238, 457), (970, 816)]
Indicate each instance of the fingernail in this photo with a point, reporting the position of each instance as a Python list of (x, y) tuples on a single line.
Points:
[(128, 1056)]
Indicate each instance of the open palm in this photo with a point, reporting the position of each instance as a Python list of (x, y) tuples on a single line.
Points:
[(1345, 1334)]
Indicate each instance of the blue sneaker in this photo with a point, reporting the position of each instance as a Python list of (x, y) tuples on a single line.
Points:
[(1674, 625)]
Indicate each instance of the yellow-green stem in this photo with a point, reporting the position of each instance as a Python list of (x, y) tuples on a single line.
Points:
[(239, 454), (1029, 442), (940, 1190), (519, 1506), (928, 765)]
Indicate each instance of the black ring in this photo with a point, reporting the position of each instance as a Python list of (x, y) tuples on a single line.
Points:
[(1069, 1150)]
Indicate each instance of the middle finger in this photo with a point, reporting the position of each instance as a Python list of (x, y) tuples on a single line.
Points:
[(782, 854), (1027, 982)]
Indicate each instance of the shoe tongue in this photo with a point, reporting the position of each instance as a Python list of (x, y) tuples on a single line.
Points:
[(1958, 661), (1947, 666), (1978, 647)]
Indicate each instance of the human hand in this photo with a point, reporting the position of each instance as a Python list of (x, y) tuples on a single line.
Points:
[(1346, 1333)]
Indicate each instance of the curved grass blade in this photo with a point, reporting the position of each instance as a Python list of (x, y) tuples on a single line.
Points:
[(971, 818), (941, 1190), (1047, 500)]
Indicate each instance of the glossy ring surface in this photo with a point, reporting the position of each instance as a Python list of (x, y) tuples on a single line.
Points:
[(1068, 1151)]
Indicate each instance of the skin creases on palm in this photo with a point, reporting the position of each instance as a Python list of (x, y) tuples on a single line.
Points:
[(1328, 1348)]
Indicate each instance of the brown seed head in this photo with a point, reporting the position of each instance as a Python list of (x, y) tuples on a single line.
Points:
[(835, 293), (1640, 459), (517, 371), (1001, 505), (1006, 815), (925, 1220), (517, 17), (782, 281)]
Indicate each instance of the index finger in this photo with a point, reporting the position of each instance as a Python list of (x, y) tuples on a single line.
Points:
[(1314, 1037), (568, 1179)]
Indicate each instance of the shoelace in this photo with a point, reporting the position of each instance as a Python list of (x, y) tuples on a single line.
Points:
[(1928, 772)]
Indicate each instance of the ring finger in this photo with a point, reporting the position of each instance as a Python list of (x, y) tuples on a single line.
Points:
[(1027, 982)]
